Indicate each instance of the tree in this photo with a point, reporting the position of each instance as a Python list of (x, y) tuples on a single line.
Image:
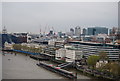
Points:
[(24, 47), (103, 55), (17, 46), (92, 60), (113, 67)]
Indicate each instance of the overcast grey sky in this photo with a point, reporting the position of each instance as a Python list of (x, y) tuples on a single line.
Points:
[(31, 16)]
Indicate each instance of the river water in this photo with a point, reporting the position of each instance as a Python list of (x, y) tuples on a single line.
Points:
[(21, 66)]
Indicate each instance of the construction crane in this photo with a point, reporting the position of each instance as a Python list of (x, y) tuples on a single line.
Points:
[(53, 29), (40, 29), (45, 29)]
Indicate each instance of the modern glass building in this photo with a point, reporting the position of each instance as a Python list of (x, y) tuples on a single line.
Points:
[(97, 30)]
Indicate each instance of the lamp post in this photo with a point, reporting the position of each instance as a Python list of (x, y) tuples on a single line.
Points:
[(75, 79)]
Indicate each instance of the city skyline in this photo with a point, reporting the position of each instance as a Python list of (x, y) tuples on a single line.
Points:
[(31, 17), (48, 39)]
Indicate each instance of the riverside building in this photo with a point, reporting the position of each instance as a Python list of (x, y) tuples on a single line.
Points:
[(68, 55), (89, 48)]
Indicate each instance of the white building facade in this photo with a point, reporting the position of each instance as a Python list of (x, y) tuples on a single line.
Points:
[(72, 55), (68, 55), (60, 54)]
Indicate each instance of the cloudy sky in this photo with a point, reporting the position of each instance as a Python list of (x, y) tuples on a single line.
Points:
[(31, 16)]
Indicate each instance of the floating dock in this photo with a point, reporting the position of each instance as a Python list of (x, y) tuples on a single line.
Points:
[(39, 58), (58, 70)]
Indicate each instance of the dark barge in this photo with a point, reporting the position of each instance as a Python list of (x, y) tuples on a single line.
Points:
[(39, 58), (58, 70)]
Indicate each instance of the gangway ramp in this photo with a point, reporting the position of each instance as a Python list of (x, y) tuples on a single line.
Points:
[(65, 65)]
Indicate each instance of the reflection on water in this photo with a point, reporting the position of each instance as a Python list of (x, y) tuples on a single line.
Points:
[(21, 66)]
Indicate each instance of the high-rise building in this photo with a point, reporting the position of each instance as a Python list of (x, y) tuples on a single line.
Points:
[(97, 30), (113, 31), (71, 31), (84, 32), (51, 32), (110, 31), (118, 33), (77, 31)]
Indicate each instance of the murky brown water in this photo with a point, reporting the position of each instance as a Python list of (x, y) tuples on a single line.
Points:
[(23, 67)]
